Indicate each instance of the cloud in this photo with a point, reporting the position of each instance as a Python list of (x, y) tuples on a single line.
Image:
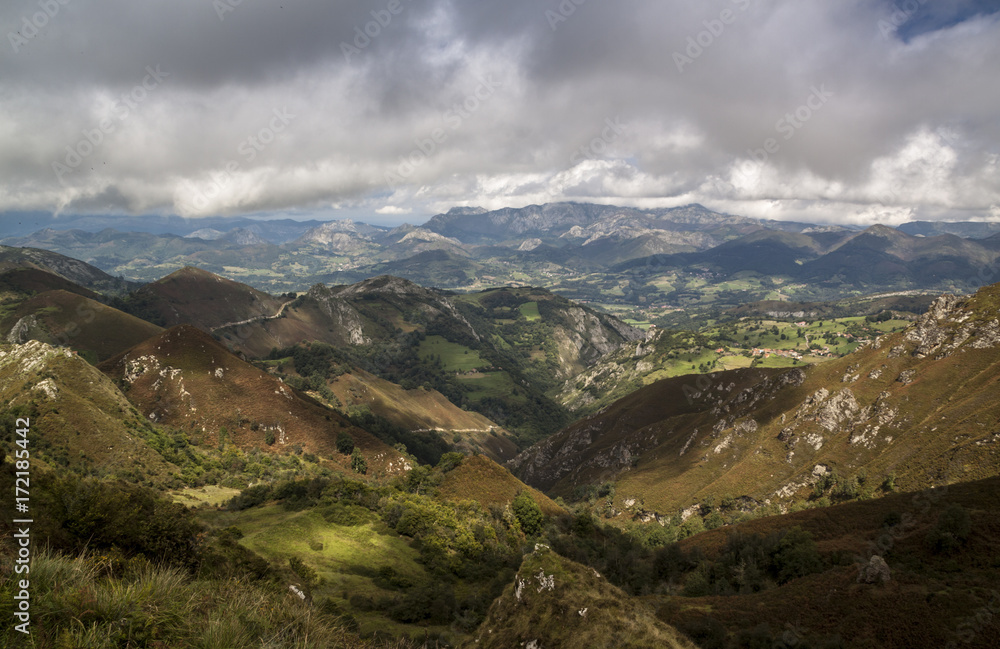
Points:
[(307, 105), (393, 210)]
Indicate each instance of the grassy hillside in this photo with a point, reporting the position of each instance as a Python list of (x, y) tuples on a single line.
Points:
[(388, 557), (423, 411), (84, 604), (73, 270), (480, 351), (79, 420), (555, 602), (16, 283), (915, 408), (481, 480), (777, 339)]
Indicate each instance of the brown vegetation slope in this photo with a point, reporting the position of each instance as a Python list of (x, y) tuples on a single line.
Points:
[(186, 379), (61, 317), (480, 479), (932, 598), (424, 410), (203, 299)]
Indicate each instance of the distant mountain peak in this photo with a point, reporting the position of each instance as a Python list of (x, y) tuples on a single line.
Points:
[(466, 211), (242, 237)]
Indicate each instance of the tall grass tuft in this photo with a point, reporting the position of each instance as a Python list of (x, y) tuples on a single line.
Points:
[(93, 602)]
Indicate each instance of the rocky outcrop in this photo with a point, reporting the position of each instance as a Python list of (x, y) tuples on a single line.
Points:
[(345, 316), (21, 331), (876, 571), (950, 324)]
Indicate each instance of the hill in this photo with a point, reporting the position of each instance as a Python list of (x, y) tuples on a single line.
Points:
[(496, 352), (935, 592), (73, 270), (645, 260), (79, 419), (479, 479), (555, 602), (23, 282), (61, 317), (964, 229), (185, 379), (203, 299), (420, 410), (913, 409)]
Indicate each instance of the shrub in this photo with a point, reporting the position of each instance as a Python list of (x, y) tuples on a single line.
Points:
[(796, 555), (951, 532), (345, 443), (528, 514), (358, 462), (450, 461)]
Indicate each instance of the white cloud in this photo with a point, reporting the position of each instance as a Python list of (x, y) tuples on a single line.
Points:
[(393, 210), (910, 131)]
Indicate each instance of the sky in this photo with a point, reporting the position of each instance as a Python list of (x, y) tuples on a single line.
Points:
[(390, 111)]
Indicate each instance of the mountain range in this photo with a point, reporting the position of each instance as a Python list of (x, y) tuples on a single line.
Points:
[(686, 256)]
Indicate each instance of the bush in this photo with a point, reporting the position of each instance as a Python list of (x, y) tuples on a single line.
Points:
[(358, 462), (249, 497), (951, 532), (796, 555), (450, 461), (528, 514), (345, 443)]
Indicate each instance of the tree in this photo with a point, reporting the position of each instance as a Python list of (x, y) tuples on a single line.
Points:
[(358, 461), (345, 443), (528, 514), (796, 555)]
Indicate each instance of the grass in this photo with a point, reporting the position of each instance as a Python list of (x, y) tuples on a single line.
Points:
[(454, 357), (346, 557), (482, 480), (490, 384), (93, 602), (530, 311), (212, 495)]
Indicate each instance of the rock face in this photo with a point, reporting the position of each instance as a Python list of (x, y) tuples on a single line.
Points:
[(554, 602), (876, 571), (21, 331), (342, 314), (952, 323)]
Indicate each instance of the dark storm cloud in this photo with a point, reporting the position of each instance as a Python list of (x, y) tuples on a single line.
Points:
[(851, 111)]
